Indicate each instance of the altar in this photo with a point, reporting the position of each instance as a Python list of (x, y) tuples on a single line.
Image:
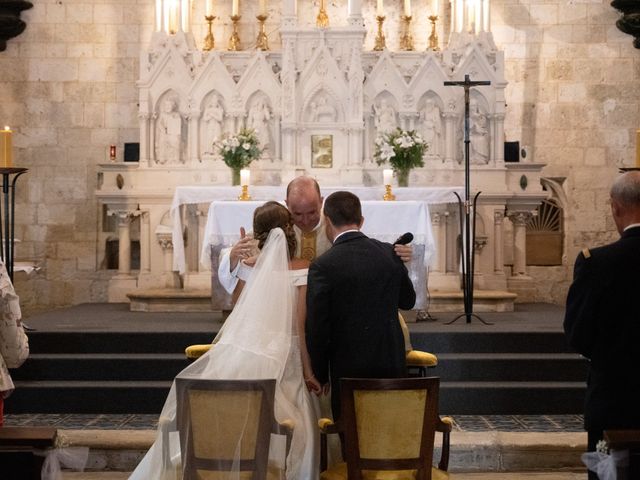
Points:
[(319, 100), (384, 221)]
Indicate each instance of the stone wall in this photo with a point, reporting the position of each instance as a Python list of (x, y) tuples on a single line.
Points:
[(68, 90)]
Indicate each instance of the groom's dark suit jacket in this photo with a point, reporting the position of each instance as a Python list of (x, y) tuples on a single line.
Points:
[(354, 291)]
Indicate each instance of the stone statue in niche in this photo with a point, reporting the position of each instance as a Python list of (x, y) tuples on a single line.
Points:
[(168, 133), (258, 119), (432, 127), (478, 135), (213, 122), (325, 112), (385, 118)]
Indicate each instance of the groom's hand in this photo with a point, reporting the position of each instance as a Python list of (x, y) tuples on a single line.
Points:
[(405, 252)]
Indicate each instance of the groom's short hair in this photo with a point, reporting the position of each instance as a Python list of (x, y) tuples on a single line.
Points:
[(343, 208)]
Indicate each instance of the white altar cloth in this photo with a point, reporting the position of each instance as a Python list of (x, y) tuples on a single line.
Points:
[(207, 194), (385, 221)]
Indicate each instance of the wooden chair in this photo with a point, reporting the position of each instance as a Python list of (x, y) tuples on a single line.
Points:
[(212, 415), (17, 450), (389, 430)]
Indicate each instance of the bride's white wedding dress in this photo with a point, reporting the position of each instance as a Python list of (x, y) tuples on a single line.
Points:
[(258, 340)]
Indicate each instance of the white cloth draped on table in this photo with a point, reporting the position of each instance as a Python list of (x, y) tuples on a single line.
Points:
[(207, 194), (384, 221)]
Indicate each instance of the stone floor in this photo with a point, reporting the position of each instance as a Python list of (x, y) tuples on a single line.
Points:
[(458, 476), (462, 423)]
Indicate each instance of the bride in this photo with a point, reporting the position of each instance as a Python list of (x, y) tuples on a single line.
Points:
[(262, 338)]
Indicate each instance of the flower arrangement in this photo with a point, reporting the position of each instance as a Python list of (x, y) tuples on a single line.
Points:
[(239, 150), (403, 149)]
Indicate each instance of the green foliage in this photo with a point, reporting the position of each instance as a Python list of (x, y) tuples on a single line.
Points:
[(402, 149)]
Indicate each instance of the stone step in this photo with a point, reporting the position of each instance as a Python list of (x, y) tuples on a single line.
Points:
[(483, 301), (460, 398), (170, 300), (486, 451), (199, 300)]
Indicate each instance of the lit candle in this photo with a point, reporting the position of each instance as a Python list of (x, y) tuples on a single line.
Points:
[(209, 8), (387, 174), (637, 148), (435, 7), (6, 153), (380, 9), (407, 8), (173, 17), (245, 176), (263, 7), (235, 8)]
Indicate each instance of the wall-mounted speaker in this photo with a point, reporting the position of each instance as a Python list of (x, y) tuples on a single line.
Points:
[(131, 152), (511, 151)]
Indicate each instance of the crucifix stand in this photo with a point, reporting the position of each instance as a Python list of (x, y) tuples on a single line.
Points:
[(467, 224)]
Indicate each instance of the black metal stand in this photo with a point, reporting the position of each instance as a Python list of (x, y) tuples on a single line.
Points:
[(7, 211), (467, 225)]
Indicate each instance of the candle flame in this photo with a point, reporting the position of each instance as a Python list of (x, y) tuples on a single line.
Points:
[(7, 128)]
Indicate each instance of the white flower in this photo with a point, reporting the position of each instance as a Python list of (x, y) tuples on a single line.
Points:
[(246, 146), (386, 152)]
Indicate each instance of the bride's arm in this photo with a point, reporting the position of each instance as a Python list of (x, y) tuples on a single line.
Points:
[(301, 315)]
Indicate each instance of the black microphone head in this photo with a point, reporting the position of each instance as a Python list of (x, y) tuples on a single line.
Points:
[(404, 239)]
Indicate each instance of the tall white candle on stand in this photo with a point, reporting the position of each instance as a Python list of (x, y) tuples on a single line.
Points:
[(407, 8), (235, 8), (263, 7), (245, 177), (6, 148), (380, 9), (435, 7), (387, 174), (209, 8)]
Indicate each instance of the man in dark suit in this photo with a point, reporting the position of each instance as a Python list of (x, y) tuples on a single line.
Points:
[(354, 291), (602, 320)]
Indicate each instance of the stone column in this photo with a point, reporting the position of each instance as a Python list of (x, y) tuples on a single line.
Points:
[(452, 232), (193, 140), (152, 138), (479, 244), (124, 218), (498, 244), (145, 246), (499, 138), (449, 136), (520, 220), (438, 221), (144, 138), (166, 243)]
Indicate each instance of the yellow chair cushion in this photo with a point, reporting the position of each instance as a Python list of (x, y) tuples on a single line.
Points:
[(196, 351), (416, 358), (339, 472)]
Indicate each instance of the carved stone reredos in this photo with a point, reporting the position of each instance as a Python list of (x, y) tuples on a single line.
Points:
[(323, 83)]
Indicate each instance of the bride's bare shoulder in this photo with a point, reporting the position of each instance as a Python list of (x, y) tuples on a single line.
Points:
[(298, 264)]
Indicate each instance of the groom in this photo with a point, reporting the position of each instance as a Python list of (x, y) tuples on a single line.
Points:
[(354, 292)]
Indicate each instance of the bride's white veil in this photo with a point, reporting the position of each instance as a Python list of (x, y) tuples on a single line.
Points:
[(254, 343)]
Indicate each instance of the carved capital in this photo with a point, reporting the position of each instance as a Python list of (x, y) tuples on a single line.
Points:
[(520, 218), (165, 241), (498, 217)]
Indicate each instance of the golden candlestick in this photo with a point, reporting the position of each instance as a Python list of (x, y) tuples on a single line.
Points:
[(381, 42), (433, 38), (388, 194), (244, 194), (638, 148), (322, 20), (209, 42), (406, 41), (234, 41), (262, 42)]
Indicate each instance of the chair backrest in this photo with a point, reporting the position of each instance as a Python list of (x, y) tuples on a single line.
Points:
[(225, 426), (389, 424)]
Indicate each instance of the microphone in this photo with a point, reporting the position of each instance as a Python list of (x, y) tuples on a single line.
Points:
[(404, 239)]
